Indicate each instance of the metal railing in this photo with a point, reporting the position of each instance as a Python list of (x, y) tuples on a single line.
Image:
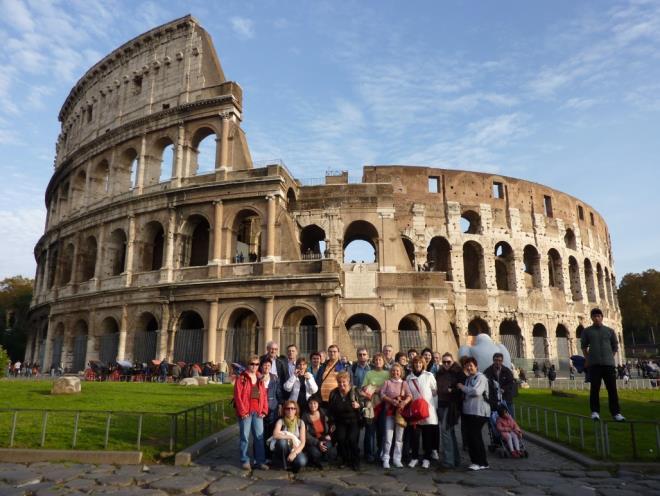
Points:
[(116, 430), (578, 384), (607, 440)]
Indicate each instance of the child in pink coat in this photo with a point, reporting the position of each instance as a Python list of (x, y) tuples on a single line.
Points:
[(509, 430)]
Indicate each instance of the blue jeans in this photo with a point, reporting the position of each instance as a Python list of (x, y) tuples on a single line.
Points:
[(370, 449), (451, 454), (282, 451), (255, 424)]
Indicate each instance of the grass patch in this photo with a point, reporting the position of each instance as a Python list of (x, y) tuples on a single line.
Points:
[(638, 406), (157, 407)]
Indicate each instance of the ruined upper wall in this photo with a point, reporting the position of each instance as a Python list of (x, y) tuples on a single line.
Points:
[(168, 66)]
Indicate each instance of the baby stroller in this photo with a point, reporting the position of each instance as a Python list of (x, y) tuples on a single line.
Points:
[(498, 444)]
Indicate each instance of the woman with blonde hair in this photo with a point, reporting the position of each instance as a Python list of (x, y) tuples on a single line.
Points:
[(396, 395), (289, 438)]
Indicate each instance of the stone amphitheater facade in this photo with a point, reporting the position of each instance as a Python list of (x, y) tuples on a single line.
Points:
[(146, 254)]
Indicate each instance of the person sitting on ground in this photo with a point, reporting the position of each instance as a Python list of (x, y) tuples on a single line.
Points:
[(510, 432), (318, 443), (301, 384), (289, 438)]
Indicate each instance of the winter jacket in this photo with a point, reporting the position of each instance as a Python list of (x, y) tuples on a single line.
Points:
[(242, 389), (474, 402)]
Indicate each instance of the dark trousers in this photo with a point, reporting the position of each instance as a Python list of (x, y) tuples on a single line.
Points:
[(346, 437), (429, 435), (475, 440), (608, 374)]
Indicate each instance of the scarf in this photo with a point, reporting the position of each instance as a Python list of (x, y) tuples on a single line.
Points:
[(290, 425)]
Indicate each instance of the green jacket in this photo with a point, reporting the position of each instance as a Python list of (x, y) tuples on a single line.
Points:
[(601, 343)]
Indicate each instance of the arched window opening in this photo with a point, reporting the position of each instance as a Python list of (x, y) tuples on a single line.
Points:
[(196, 241), (300, 327), (608, 286), (555, 271), (473, 266), (540, 341), (66, 265), (166, 167), (204, 152), (574, 276), (563, 348), (364, 331), (478, 326), (53, 263), (242, 336), (189, 338), (578, 336), (153, 246), (100, 181), (78, 190), (589, 280), (290, 200), (511, 337), (470, 222), (410, 250), (115, 253), (146, 338), (438, 256), (312, 242), (88, 259), (532, 262), (569, 239), (601, 282), (247, 236), (109, 340), (505, 273), (414, 332), (79, 355), (360, 243), (124, 172)]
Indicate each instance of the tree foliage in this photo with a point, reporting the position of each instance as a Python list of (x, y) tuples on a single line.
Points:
[(15, 297), (4, 362), (639, 299)]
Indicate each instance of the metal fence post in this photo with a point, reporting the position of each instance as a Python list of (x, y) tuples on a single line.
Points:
[(634, 441), (538, 428), (545, 421), (139, 436), (556, 426), (107, 430), (568, 428), (76, 420), (43, 428), (13, 429), (606, 439)]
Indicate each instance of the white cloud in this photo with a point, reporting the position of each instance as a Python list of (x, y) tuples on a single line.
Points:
[(17, 14), (21, 229), (579, 103), (243, 27)]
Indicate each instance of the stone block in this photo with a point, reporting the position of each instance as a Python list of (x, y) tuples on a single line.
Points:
[(66, 385), (189, 381), (202, 381)]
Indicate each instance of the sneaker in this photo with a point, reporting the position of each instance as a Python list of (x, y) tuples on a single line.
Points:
[(474, 466), (397, 464), (595, 416), (386, 464), (619, 418), (246, 466), (484, 467), (435, 455), (514, 454), (426, 463), (413, 463)]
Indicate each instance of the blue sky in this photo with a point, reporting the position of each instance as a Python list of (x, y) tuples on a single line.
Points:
[(565, 93)]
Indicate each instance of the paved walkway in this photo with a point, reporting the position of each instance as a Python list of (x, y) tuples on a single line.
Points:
[(543, 473)]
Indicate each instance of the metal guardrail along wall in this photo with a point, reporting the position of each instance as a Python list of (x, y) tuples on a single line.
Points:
[(579, 384)]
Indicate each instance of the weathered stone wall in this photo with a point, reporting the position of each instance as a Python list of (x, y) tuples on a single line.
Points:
[(145, 255)]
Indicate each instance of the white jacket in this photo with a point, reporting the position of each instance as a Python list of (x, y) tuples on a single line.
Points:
[(292, 386), (428, 389), (474, 402)]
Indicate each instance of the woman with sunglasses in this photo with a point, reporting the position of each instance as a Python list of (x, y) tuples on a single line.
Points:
[(251, 401), (450, 400), (289, 436)]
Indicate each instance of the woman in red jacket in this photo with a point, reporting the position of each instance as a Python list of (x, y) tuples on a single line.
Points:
[(251, 400)]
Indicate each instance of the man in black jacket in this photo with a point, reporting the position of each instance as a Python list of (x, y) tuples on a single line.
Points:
[(498, 372), (278, 365)]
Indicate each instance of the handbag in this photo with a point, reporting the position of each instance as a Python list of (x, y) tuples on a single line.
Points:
[(398, 418), (418, 409)]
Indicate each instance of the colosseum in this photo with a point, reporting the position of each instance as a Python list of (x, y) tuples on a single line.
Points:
[(164, 239)]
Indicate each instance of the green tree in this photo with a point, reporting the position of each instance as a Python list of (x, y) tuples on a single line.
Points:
[(639, 299), (4, 362), (15, 297)]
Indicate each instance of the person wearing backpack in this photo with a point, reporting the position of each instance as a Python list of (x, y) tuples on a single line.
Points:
[(552, 375), (476, 411), (422, 386), (501, 374)]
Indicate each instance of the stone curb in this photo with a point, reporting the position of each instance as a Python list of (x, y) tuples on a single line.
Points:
[(188, 455), (23, 455)]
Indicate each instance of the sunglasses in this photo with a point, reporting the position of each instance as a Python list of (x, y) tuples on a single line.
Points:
[(290, 408), (254, 365), (446, 361)]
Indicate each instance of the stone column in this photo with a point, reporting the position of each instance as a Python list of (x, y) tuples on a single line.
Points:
[(270, 228), (211, 332), (161, 346), (269, 303), (168, 267), (217, 231), (130, 249), (178, 157), (328, 319), (222, 146), (75, 263), (100, 258), (48, 352), (142, 165), (123, 330)]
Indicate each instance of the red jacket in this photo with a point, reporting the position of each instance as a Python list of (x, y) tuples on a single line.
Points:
[(242, 389)]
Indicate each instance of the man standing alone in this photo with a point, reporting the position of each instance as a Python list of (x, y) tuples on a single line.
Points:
[(599, 345)]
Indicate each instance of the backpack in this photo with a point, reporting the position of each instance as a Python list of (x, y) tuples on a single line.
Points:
[(493, 395)]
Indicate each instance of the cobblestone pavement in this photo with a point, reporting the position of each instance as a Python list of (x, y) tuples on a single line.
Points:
[(543, 473)]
